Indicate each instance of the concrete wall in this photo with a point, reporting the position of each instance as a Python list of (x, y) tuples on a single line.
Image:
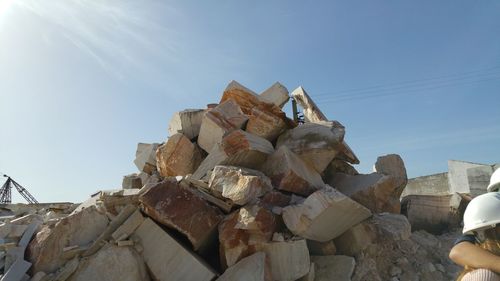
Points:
[(458, 177), (436, 184)]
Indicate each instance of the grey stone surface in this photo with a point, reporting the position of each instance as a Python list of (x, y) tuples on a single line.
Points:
[(277, 94), (186, 122), (338, 268), (436, 184)]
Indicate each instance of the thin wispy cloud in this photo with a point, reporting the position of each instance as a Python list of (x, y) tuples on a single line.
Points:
[(118, 35)]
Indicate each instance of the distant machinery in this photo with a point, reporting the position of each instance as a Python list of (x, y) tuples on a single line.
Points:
[(5, 192)]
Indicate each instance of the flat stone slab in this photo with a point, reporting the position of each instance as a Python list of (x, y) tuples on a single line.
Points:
[(252, 268), (276, 94), (166, 259), (186, 122), (324, 215), (289, 260)]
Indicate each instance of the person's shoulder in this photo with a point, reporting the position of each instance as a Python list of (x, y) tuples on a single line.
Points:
[(466, 238)]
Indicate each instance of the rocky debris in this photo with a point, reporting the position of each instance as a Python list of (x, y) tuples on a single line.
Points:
[(131, 181), (379, 193), (289, 173), (166, 258), (315, 143), (219, 121), (241, 185), (182, 210), (338, 268), (178, 156), (324, 215), (276, 94), (145, 157), (186, 122), (260, 206), (251, 268)]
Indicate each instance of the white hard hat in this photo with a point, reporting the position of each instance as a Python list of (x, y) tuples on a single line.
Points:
[(482, 212), (494, 181)]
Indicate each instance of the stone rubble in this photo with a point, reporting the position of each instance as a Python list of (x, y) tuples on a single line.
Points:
[(239, 192)]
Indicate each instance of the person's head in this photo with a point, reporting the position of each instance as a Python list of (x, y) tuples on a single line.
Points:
[(494, 185), (483, 214)]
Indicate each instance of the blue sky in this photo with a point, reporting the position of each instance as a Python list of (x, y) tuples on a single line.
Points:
[(82, 82)]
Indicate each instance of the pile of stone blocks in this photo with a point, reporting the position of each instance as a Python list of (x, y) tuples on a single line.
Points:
[(238, 191)]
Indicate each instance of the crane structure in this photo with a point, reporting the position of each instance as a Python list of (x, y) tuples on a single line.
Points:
[(6, 192)]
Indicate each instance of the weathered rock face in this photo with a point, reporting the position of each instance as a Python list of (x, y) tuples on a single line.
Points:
[(329, 268), (377, 192), (316, 248), (392, 165), (182, 210), (112, 263), (242, 232), (131, 181), (166, 258), (145, 157), (244, 97), (252, 268), (186, 122), (217, 122), (238, 148), (315, 143), (263, 123), (311, 111), (289, 260), (46, 249), (241, 185), (178, 157), (324, 215), (277, 94), (289, 173)]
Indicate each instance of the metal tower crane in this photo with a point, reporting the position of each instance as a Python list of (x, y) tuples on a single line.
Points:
[(6, 195)]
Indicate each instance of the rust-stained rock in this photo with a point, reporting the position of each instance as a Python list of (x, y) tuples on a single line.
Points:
[(238, 148), (263, 123), (276, 94), (377, 192), (241, 185), (241, 233), (289, 173), (275, 199), (244, 97), (315, 143), (182, 210), (217, 122), (186, 122), (178, 157), (46, 249), (324, 215)]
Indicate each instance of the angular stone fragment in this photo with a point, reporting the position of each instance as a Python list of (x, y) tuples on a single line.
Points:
[(346, 154), (238, 148), (311, 275), (324, 215), (252, 268), (167, 259), (241, 185), (128, 227), (289, 173), (384, 227), (224, 118), (241, 233), (392, 165), (377, 192), (321, 248), (46, 249), (312, 113), (145, 157), (16, 271), (275, 199), (336, 268), (186, 122), (182, 210), (316, 143), (244, 97), (131, 181), (201, 189), (289, 260), (178, 157), (276, 94), (112, 263), (263, 123)]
